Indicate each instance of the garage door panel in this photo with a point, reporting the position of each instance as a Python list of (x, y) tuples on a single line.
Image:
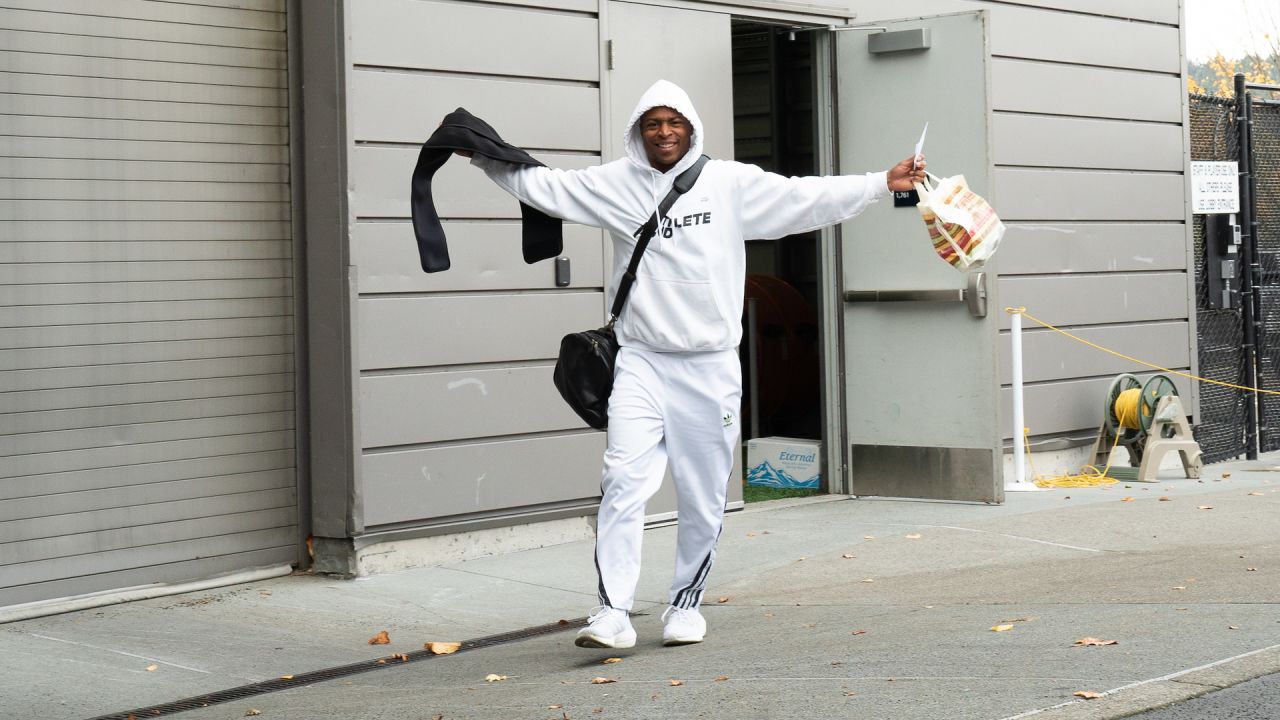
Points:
[(130, 495), (93, 314), (171, 171), (37, 401), (1058, 89), (131, 150), (194, 545), (127, 89), (94, 529), (65, 335), (38, 20), (57, 251), (110, 47), (170, 572), (123, 455), (156, 231), (151, 352), (141, 211), (145, 478), (151, 412), (134, 373)]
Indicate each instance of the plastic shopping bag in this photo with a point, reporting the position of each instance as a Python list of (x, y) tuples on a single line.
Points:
[(963, 226)]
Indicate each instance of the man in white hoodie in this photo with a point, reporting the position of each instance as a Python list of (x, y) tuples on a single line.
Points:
[(677, 384)]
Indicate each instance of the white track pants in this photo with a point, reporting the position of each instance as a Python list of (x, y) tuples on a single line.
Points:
[(680, 408)]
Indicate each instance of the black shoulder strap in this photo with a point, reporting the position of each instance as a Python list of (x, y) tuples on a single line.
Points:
[(684, 181)]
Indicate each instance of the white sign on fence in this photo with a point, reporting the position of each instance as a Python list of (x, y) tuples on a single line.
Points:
[(1215, 187)]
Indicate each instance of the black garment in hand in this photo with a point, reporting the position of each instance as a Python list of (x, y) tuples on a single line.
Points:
[(542, 236)]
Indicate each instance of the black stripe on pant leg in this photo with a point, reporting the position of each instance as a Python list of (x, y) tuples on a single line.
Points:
[(700, 577), (601, 594)]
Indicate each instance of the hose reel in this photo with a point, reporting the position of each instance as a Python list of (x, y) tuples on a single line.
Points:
[(1148, 419)]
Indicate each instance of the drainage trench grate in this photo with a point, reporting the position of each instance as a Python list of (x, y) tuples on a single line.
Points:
[(316, 676)]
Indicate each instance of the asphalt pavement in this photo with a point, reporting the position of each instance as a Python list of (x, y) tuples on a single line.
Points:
[(821, 608)]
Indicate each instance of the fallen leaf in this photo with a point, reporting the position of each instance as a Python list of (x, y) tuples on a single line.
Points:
[(868, 537), (251, 712), (722, 600), (381, 661), (438, 717), (1087, 694), (868, 580), (286, 677), (152, 668), (858, 632), (914, 536), (1001, 628), (802, 559), (402, 657), (564, 715), (768, 614), (1233, 627), (1164, 498), (766, 532), (1179, 587), (610, 661), (597, 710), (442, 648), (1251, 569), (381, 638), (848, 556), (562, 621), (311, 546), (1226, 475), (1255, 493), (1204, 507), (1127, 498), (602, 680), (1094, 642), (721, 678), (491, 677), (675, 683), (751, 535), (554, 707), (849, 694)]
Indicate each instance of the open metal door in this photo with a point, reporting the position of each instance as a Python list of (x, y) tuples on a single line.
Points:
[(921, 389), (692, 49)]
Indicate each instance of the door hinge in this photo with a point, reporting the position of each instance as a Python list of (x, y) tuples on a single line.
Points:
[(608, 54)]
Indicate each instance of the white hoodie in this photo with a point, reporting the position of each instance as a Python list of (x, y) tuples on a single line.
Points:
[(688, 293)]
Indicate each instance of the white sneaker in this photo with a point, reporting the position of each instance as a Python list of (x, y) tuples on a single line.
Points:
[(608, 628), (683, 627)]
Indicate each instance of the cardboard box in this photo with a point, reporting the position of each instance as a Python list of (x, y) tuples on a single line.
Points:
[(780, 462)]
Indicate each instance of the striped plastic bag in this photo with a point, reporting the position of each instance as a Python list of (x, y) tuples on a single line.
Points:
[(963, 226)]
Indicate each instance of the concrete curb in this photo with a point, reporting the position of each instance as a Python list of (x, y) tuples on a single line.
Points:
[(1159, 692)]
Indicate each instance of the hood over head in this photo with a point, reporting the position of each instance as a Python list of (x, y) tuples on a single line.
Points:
[(663, 94)]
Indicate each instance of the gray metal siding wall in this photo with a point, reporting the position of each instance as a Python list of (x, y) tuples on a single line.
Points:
[(1089, 151), (146, 341), (458, 416)]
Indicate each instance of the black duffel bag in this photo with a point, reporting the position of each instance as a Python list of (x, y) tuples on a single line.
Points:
[(584, 368)]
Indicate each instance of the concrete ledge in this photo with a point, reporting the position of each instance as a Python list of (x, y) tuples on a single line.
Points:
[(395, 555)]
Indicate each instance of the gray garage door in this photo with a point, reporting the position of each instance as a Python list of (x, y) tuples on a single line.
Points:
[(146, 292)]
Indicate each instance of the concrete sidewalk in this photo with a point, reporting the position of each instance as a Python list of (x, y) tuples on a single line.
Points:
[(831, 608)]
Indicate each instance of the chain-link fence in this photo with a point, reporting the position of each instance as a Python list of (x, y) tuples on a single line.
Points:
[(1220, 430), (1265, 146)]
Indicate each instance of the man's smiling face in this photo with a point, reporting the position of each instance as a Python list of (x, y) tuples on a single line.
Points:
[(666, 134)]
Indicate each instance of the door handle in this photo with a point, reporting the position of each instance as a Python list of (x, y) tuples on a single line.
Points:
[(974, 294)]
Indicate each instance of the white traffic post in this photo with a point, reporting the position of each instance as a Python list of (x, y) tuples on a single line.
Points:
[(1019, 483)]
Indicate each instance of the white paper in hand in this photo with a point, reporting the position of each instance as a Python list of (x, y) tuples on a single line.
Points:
[(915, 159)]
